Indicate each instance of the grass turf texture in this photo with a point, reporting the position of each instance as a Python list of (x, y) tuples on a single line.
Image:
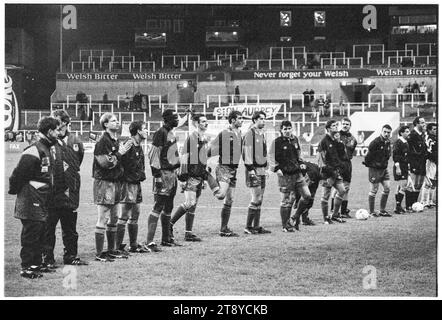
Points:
[(322, 260)]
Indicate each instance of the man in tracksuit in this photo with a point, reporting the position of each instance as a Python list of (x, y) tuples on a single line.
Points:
[(417, 158), (164, 160), (32, 182), (376, 160), (285, 160), (69, 152), (228, 146), (255, 160)]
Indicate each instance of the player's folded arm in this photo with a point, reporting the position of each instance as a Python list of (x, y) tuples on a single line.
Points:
[(28, 164), (107, 161)]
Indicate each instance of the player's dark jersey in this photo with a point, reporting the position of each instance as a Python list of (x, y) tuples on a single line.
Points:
[(285, 155), (107, 159), (195, 152), (432, 147), (400, 155), (350, 143), (163, 154), (379, 151), (312, 175), (254, 150), (228, 145), (418, 153), (133, 165), (330, 159)]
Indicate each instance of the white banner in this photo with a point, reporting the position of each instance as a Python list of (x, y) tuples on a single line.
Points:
[(247, 110)]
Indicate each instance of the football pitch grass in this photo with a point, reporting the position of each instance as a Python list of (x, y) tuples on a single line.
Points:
[(378, 257)]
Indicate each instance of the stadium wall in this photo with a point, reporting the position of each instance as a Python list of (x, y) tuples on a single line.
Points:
[(268, 85)]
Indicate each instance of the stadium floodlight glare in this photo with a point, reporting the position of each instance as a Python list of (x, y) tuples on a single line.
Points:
[(163, 34), (216, 33), (145, 34), (235, 33)]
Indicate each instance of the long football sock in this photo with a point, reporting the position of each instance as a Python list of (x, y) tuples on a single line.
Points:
[(324, 207), (225, 216), (337, 207), (384, 198), (250, 217), (190, 217), (257, 218), (180, 211), (152, 222), (285, 215), (165, 224), (121, 229), (132, 230), (371, 203), (99, 239)]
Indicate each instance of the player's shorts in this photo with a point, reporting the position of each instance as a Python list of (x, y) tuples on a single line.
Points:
[(106, 192), (169, 180), (291, 182), (378, 175), (130, 193), (226, 174), (258, 181), (431, 170), (193, 184), (332, 181), (399, 177)]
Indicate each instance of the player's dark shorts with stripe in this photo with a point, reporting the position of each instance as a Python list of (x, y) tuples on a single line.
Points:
[(257, 181), (193, 184), (169, 181), (226, 174), (130, 193), (106, 192), (378, 175), (291, 182)]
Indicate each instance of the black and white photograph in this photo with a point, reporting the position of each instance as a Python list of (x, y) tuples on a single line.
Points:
[(220, 151)]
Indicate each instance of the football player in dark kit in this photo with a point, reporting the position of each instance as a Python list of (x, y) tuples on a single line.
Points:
[(400, 168), (193, 173), (379, 151), (350, 143), (285, 160), (107, 172), (131, 195), (429, 191), (164, 160), (312, 178), (32, 182), (331, 165), (255, 160), (228, 146), (417, 158), (69, 152)]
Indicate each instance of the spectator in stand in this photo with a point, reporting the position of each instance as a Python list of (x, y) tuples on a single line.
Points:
[(327, 104), (306, 95), (137, 101), (312, 95), (423, 90), (408, 91), (341, 106), (105, 97), (400, 92), (19, 137), (126, 104), (237, 94), (415, 90)]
